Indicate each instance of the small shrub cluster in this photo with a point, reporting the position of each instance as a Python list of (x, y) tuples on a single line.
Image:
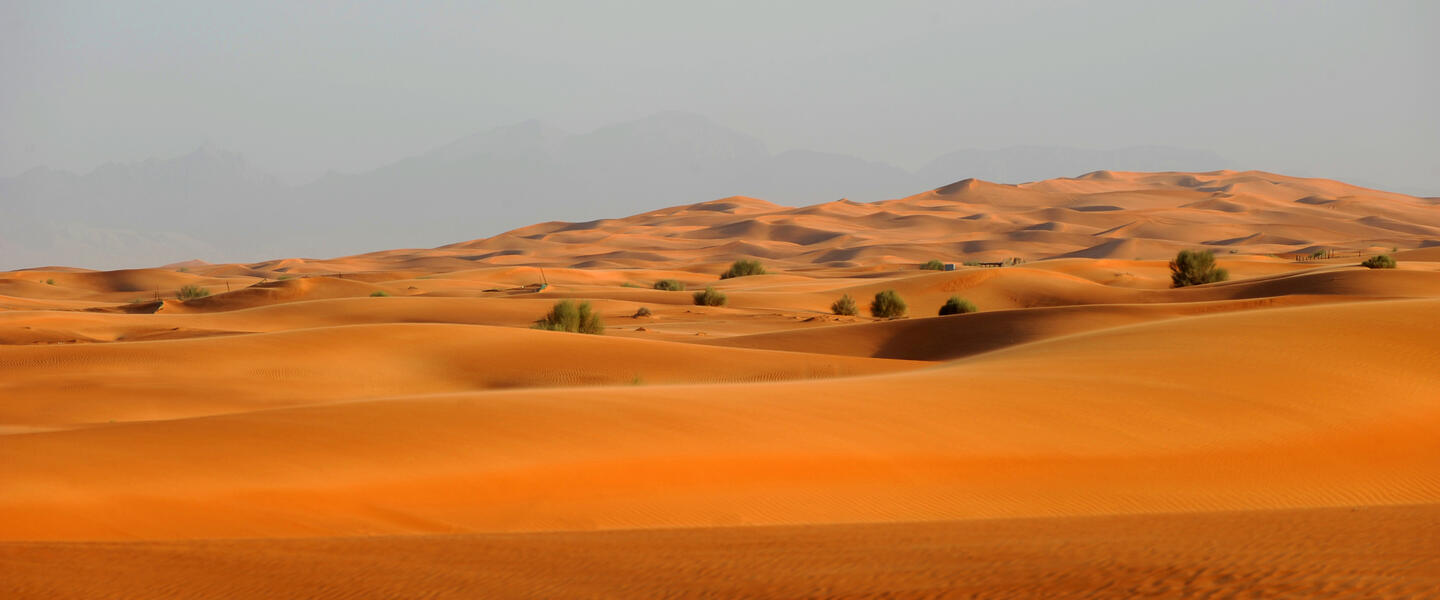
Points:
[(887, 305), (49, 282), (191, 292), (743, 268), (845, 306), (1379, 261), (568, 316), (643, 312), (1195, 267), (710, 297), (957, 306), (670, 285), (933, 265), (379, 294)]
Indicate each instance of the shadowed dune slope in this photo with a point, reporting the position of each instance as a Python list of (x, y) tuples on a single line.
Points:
[(1325, 405), (957, 336)]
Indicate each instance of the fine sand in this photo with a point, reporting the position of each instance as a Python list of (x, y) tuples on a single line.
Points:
[(389, 425)]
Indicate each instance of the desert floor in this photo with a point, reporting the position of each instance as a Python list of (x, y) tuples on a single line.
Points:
[(389, 425)]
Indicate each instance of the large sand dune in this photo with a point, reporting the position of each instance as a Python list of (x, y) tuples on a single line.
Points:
[(1235, 437)]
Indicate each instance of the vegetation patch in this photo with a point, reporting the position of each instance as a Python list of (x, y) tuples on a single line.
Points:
[(887, 305), (670, 285), (1379, 261), (568, 316), (845, 306), (744, 268), (191, 292), (957, 306), (379, 294), (1195, 267), (710, 297), (933, 265)]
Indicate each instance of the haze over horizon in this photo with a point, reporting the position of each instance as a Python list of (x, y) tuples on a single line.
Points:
[(806, 101)]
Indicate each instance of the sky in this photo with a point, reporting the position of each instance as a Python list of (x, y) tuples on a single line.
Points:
[(1345, 90)]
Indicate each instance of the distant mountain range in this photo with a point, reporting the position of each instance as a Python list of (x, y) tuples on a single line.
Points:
[(214, 206)]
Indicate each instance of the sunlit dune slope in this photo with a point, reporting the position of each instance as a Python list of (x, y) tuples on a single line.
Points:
[(1322, 405), (59, 385), (1371, 552)]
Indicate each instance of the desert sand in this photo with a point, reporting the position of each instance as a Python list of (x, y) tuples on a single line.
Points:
[(389, 425)]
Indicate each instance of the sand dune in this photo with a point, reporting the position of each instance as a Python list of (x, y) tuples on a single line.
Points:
[(1270, 434), (1274, 428), (57, 385), (1372, 552)]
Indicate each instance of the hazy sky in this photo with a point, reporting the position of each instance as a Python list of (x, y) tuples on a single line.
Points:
[(1338, 89)]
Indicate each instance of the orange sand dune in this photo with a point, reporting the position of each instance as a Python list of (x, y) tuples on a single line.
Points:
[(1028, 431), (58, 385), (957, 336), (1372, 552), (1273, 434)]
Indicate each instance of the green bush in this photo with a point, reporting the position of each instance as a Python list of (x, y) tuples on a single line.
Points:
[(643, 312), (1194, 267), (191, 292), (631, 284), (49, 282), (933, 265), (844, 306), (887, 304), (1379, 261), (957, 306), (742, 268), (568, 316), (670, 285), (710, 297), (379, 294)]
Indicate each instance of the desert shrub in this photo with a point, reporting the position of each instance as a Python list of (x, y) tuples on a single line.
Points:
[(670, 285), (710, 297), (887, 304), (569, 316), (933, 265), (191, 292), (183, 269), (957, 306), (1194, 267), (643, 312), (844, 306), (1379, 261), (631, 284), (379, 294), (49, 282), (742, 268), (284, 277)]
